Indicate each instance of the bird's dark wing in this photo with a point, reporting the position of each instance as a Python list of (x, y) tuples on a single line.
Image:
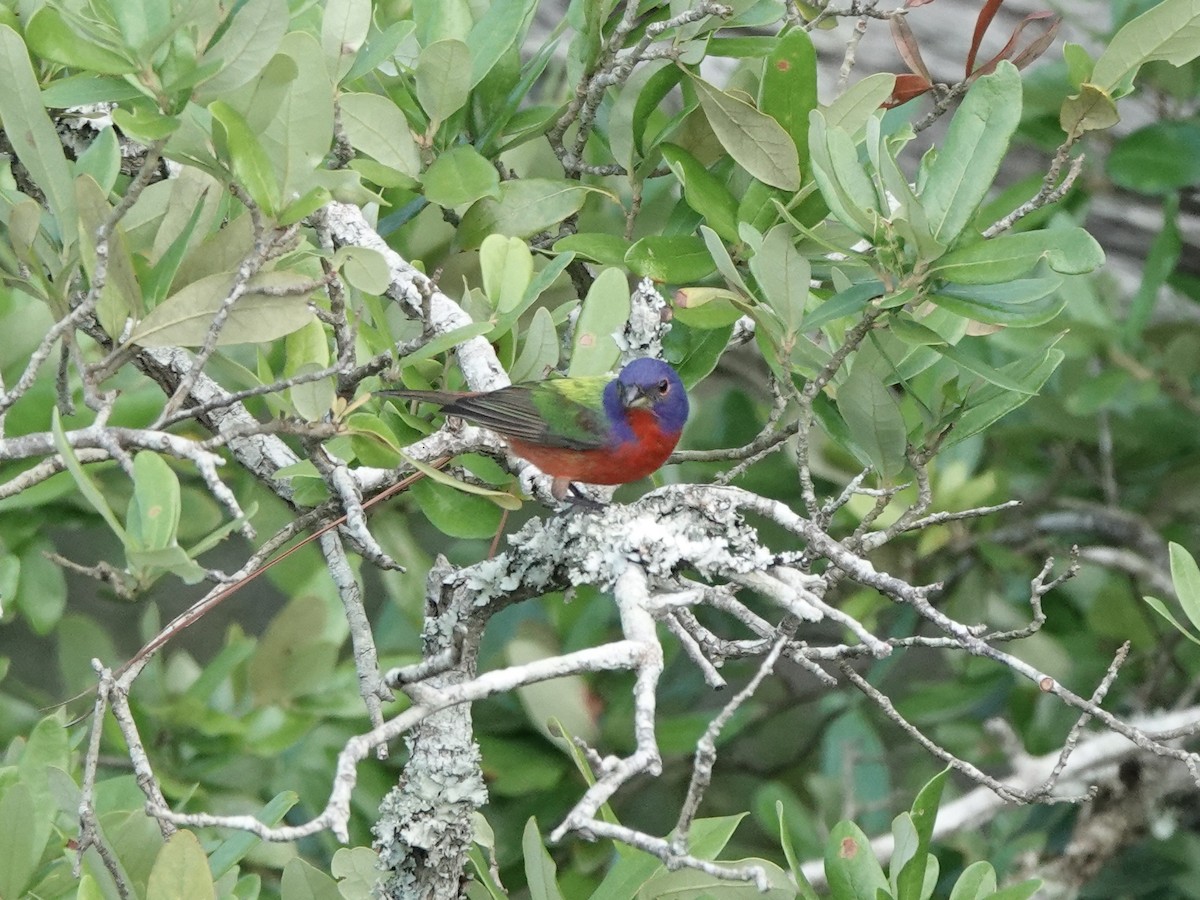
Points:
[(513, 412)]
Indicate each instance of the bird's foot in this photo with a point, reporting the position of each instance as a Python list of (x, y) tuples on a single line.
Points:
[(581, 501)]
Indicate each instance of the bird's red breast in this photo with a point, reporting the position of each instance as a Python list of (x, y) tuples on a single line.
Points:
[(619, 464)]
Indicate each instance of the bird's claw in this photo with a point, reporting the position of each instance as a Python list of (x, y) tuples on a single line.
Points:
[(580, 501)]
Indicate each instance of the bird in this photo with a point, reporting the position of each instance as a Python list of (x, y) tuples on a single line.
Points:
[(600, 429)]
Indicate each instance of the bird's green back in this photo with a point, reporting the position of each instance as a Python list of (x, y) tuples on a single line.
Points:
[(573, 408)]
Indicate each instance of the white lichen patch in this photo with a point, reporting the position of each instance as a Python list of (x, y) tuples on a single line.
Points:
[(666, 533)]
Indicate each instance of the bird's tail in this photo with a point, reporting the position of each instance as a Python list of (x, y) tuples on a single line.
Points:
[(441, 398)]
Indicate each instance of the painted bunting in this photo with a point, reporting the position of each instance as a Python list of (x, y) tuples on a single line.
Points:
[(597, 430)]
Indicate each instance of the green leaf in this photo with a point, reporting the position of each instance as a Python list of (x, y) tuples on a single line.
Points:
[(261, 98), (1023, 891), (634, 111), (251, 165), (234, 848), (1159, 264), (364, 268), (41, 589), (703, 192), (843, 182), (1168, 31), (314, 398), (966, 360), (302, 881), (1158, 159), (604, 314), (906, 852), (1071, 251), (566, 701), (32, 134), (708, 307), (541, 282), (344, 29), (293, 658), (873, 416), (374, 443), (184, 318), (86, 486), (525, 207), (789, 853), (244, 48), (539, 352), (181, 871), (695, 352), (158, 280), (21, 822), (859, 102), (506, 267), (1185, 575), (686, 884), (301, 133), (849, 302), (788, 92), (502, 499), (304, 206), (357, 871), (46, 746), (121, 296), (50, 36), (540, 872), (977, 882), (1021, 303), (86, 88), (911, 879), (993, 403), (723, 261), (460, 176), (608, 249), (443, 79), (675, 259), (222, 531), (518, 768), (455, 510), (1090, 110), (709, 836), (141, 21), (446, 341), (380, 47), (502, 26), (374, 125), (783, 276), (1161, 608), (976, 142), (154, 508), (755, 141), (850, 867), (1080, 64)]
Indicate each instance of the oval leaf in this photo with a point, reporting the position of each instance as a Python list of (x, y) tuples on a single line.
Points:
[(756, 141), (183, 319)]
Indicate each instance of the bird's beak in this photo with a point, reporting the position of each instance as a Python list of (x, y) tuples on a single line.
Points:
[(634, 397)]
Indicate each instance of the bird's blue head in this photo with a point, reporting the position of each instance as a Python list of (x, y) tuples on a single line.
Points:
[(652, 385)]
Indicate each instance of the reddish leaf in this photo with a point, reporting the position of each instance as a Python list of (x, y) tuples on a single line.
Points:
[(1035, 48), (913, 4), (1039, 45), (906, 43), (907, 87), (990, 8)]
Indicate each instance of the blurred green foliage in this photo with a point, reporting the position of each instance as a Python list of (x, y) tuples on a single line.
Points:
[(1043, 379)]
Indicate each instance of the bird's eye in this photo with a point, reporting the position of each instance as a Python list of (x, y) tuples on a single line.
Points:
[(664, 386)]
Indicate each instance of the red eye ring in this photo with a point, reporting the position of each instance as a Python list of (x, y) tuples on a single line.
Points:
[(664, 386)]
